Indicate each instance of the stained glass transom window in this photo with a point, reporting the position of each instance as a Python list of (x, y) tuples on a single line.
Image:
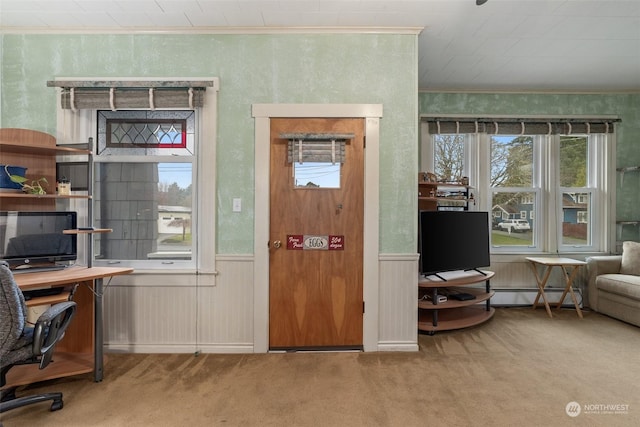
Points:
[(145, 132), (160, 133)]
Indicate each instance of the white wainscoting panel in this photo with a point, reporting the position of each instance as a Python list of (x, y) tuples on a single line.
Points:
[(182, 313), (225, 308), (145, 313), (515, 274), (512, 274), (398, 321)]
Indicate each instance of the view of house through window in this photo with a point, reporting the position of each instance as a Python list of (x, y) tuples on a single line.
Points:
[(513, 199), (576, 196), (148, 206), (144, 187)]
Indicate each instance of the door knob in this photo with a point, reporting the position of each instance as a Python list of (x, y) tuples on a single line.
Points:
[(277, 244)]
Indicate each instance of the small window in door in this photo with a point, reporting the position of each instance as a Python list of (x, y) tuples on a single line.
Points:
[(316, 175), (316, 158)]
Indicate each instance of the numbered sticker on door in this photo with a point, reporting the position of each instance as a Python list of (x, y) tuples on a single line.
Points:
[(299, 242)]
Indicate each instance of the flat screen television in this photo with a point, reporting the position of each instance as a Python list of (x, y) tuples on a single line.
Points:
[(453, 240), (35, 239)]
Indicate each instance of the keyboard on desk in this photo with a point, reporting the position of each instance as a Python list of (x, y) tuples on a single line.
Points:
[(44, 292), (37, 269)]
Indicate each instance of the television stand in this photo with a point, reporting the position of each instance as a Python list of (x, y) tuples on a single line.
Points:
[(454, 314), (478, 271), (426, 276)]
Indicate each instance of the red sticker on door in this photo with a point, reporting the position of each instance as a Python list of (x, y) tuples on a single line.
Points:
[(336, 243), (294, 242), (307, 242)]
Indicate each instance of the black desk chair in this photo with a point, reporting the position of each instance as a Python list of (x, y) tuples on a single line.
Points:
[(20, 344)]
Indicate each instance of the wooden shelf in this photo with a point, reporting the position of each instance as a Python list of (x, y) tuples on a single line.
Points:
[(36, 151), (95, 230), (62, 365), (455, 279), (480, 295), (454, 314), (46, 150), (451, 314), (49, 299), (452, 185), (18, 195), (445, 199), (455, 319), (429, 199), (80, 351)]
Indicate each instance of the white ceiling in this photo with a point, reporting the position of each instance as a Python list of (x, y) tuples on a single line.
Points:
[(503, 45)]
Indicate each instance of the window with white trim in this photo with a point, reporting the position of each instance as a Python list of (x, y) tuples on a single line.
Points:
[(145, 172), (552, 178), (527, 200), (513, 189), (148, 178)]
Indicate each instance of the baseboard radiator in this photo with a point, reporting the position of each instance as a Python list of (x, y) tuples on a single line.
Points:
[(526, 297)]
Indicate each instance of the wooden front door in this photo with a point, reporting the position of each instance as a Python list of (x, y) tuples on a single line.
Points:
[(315, 289)]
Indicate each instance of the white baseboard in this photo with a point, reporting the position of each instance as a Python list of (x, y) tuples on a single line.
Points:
[(397, 346), (148, 348), (227, 349), (177, 349), (525, 296)]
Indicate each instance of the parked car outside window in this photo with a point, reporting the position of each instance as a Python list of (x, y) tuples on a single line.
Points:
[(516, 225)]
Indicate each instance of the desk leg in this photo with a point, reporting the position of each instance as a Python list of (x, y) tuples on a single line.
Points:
[(569, 289), (99, 339), (541, 284)]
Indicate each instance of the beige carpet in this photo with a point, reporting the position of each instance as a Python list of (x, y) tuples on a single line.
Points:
[(521, 368)]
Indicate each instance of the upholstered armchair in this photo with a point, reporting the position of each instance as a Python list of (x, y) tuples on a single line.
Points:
[(614, 284)]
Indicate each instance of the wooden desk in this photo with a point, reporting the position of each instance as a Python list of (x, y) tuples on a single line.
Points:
[(80, 351), (548, 263)]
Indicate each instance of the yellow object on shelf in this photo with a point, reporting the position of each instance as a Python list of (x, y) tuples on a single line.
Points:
[(64, 188)]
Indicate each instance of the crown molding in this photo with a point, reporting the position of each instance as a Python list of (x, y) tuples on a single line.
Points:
[(212, 30), (631, 91)]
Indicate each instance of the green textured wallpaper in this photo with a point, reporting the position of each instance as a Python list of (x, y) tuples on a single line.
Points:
[(625, 106), (291, 68)]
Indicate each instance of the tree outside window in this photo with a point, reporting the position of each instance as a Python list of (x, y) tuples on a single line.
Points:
[(511, 178), (448, 156)]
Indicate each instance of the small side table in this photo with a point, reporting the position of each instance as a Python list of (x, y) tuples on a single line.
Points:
[(548, 263)]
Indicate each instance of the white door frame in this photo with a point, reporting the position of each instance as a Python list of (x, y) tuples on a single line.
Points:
[(262, 114)]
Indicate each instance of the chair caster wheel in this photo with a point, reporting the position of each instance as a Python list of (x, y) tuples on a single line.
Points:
[(56, 405)]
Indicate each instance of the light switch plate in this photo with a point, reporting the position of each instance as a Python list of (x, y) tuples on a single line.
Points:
[(237, 205)]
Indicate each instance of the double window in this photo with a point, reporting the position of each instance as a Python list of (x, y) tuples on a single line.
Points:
[(545, 191)]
